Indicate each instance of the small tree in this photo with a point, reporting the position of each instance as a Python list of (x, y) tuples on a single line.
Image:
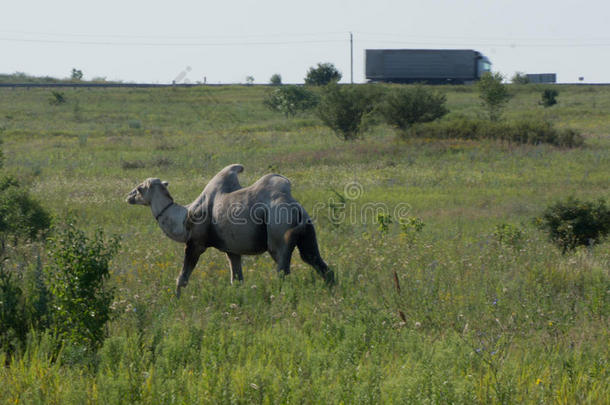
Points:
[(322, 75), (549, 97), (77, 74), (276, 79), (290, 100), (573, 223), (494, 94), (77, 282), (345, 108), (520, 78), (21, 216), (405, 106), (249, 80)]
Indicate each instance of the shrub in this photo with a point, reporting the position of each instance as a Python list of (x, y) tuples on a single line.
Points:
[(508, 234), (345, 108), (13, 320), (573, 223), (526, 131), (290, 100), (57, 98), (322, 75), (383, 220), (21, 216), (276, 79), (549, 97), (405, 106), (537, 132), (76, 74), (520, 78), (23, 305), (76, 279), (494, 94), (410, 227)]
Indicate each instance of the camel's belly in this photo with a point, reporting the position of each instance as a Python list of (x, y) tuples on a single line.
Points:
[(241, 240)]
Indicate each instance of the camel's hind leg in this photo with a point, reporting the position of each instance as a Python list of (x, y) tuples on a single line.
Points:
[(308, 248), (235, 264), (280, 249)]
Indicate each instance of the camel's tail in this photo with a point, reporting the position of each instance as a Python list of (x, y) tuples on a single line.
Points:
[(307, 243)]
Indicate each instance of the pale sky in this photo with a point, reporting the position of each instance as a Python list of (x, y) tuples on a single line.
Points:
[(225, 41)]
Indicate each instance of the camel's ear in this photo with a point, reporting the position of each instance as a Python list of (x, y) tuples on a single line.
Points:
[(165, 183)]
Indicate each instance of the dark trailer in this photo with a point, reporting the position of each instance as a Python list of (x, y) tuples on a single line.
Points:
[(434, 66)]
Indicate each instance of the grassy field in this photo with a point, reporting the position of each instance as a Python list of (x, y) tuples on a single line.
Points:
[(474, 320)]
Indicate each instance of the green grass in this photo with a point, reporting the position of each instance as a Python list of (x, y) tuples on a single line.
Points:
[(484, 322)]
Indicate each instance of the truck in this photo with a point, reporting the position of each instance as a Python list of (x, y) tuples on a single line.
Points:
[(542, 77), (432, 66)]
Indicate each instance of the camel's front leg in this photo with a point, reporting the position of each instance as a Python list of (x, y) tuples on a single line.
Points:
[(191, 256), (235, 263)]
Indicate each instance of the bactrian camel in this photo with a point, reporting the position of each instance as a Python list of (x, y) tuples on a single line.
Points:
[(263, 217)]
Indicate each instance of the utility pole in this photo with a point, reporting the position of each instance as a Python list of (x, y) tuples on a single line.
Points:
[(351, 56)]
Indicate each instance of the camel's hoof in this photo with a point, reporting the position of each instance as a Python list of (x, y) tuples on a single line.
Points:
[(329, 277), (179, 286)]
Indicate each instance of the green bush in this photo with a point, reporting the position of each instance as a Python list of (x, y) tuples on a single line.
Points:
[(573, 223), (345, 108), (494, 94), (290, 100), (410, 227), (276, 79), (525, 131), (405, 106), (13, 319), (21, 216), (520, 78), (549, 97), (77, 282), (57, 98), (383, 221), (508, 234), (322, 75), (24, 305)]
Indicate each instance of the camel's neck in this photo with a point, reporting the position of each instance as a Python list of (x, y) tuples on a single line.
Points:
[(170, 216)]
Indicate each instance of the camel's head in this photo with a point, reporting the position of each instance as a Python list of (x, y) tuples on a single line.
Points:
[(145, 191)]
